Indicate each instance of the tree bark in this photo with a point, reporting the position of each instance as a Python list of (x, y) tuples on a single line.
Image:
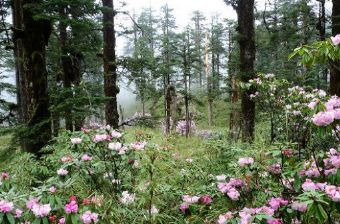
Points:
[(18, 55), (209, 84), (335, 71), (245, 15), (31, 37), (111, 89)]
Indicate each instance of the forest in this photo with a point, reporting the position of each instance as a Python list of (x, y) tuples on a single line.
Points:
[(122, 111)]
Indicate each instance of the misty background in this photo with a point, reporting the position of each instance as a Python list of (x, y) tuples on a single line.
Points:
[(182, 12)]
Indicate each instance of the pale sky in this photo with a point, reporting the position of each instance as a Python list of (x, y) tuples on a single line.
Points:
[(183, 8)]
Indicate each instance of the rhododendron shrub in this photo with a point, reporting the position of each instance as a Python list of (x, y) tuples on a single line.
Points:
[(98, 168)]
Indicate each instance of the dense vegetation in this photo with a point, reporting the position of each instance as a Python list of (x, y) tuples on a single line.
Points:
[(238, 121)]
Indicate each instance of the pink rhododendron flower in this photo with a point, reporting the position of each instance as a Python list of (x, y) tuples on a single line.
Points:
[(312, 105), (66, 159), (233, 194), (274, 221), (333, 192), (184, 208), (139, 146), (332, 103), (276, 203), (265, 210), (6, 207), (116, 134), (101, 138), (86, 158), (222, 219), (89, 217), (299, 206), (31, 203), (98, 201), (5, 175), (336, 39), (206, 199), (190, 199), (287, 152), (18, 213), (76, 141), (245, 161), (41, 211), (275, 168), (71, 207), (323, 118), (53, 189), (309, 185)]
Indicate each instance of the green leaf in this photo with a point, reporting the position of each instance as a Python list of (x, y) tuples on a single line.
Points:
[(74, 219), (10, 218), (37, 221), (322, 212), (45, 220)]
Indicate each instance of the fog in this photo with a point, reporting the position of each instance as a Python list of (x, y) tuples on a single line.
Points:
[(182, 12)]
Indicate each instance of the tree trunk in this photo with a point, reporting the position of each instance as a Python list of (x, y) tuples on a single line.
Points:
[(209, 84), (335, 71), (167, 79), (321, 26), (245, 14), (30, 39), (111, 89), (18, 56)]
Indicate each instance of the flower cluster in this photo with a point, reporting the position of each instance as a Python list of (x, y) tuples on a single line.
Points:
[(127, 198), (6, 207), (230, 188), (89, 217), (332, 113), (245, 161)]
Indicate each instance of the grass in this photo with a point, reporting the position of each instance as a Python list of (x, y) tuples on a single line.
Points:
[(5, 151)]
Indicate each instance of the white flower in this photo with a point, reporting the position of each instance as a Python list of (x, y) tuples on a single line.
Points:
[(322, 93), (190, 199), (189, 160), (127, 198), (221, 178), (114, 181), (288, 107), (138, 145), (116, 134), (76, 141), (154, 210), (115, 146), (62, 172)]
